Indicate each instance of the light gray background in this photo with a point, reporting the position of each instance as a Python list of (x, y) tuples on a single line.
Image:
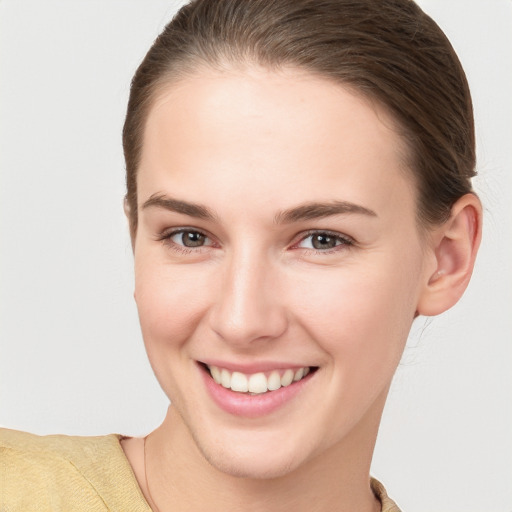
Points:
[(71, 355)]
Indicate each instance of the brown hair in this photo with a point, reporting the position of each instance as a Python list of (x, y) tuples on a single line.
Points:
[(388, 50)]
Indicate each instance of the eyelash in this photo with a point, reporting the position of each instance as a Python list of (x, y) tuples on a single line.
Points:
[(166, 236), (343, 241)]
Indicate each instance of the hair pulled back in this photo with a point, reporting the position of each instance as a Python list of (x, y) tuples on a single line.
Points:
[(387, 50)]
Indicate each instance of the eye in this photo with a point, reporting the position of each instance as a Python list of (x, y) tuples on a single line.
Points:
[(188, 238), (324, 241)]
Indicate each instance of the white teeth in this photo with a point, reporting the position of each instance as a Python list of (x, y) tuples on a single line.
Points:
[(239, 382), (256, 383), (215, 374), (225, 378), (287, 378), (274, 381)]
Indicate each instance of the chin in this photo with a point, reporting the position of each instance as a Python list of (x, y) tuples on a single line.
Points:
[(256, 460), (256, 468)]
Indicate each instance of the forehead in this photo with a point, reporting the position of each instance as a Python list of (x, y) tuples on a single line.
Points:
[(252, 130)]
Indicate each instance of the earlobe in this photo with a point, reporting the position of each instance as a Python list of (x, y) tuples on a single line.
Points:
[(455, 245)]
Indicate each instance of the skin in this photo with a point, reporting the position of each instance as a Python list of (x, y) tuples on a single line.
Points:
[(249, 145)]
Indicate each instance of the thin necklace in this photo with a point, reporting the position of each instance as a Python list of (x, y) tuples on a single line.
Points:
[(153, 505)]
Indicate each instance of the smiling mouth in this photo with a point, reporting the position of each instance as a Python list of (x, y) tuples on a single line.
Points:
[(257, 383)]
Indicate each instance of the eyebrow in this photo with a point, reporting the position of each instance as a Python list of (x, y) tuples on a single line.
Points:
[(302, 212), (175, 205), (310, 211)]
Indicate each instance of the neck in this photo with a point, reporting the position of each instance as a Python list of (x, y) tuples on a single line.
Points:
[(181, 479)]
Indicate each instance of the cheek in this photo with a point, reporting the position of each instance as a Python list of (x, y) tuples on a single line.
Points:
[(169, 303), (361, 317)]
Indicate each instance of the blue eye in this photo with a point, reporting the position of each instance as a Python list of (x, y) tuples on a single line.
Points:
[(323, 241)]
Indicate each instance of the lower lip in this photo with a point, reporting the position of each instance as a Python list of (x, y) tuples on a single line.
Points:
[(252, 406)]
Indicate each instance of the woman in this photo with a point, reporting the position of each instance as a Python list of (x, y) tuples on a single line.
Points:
[(298, 192)]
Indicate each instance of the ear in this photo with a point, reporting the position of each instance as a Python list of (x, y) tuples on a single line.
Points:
[(454, 246), (126, 207), (127, 212)]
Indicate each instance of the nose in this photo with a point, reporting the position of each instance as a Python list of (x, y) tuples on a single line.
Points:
[(247, 306)]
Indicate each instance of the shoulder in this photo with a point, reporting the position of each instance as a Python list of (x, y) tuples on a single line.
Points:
[(37, 471), (387, 504), (59, 446), (65, 473)]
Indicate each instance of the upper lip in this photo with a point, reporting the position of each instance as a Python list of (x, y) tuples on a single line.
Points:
[(254, 367)]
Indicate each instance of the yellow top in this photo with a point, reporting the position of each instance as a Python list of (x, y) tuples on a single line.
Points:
[(77, 474)]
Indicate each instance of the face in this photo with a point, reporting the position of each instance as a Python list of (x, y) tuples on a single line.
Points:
[(277, 254)]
